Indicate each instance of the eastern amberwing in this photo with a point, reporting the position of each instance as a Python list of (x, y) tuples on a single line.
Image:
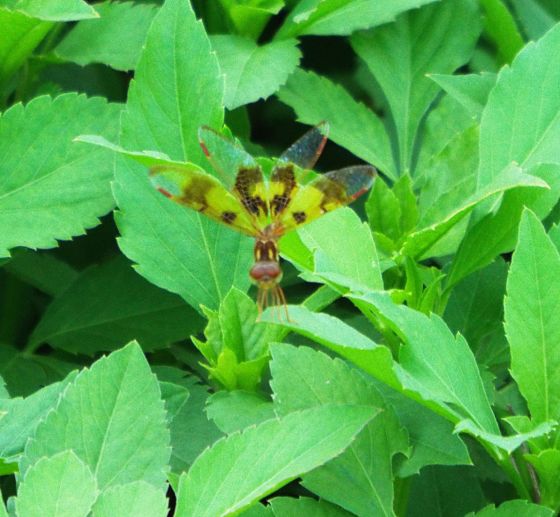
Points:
[(265, 210)]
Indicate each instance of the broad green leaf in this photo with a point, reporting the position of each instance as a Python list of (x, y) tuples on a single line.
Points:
[(445, 491), (54, 195), (175, 396), (131, 500), (110, 304), (360, 479), (341, 338), (352, 125), (511, 128), (42, 270), (292, 507), (177, 87), (433, 363), (53, 10), (342, 17), (475, 309), (129, 441), (533, 17), (191, 429), (235, 410), (500, 25), (431, 436), (224, 479), (547, 467), (470, 90), (532, 328), (24, 415), (514, 508), (177, 248), (58, 486), (384, 211), (252, 71), (496, 232), (115, 39), (419, 243), (348, 262), (401, 54), (20, 36), (26, 373)]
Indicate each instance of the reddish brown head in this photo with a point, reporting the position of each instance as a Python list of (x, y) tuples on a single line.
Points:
[(266, 273)]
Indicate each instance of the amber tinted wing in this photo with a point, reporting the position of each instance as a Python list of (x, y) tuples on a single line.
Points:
[(239, 171), (192, 187), (304, 154), (326, 193)]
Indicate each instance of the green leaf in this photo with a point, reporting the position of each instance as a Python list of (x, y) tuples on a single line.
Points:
[(547, 467), (511, 129), (514, 508), (131, 500), (129, 441), (3, 511), (250, 17), (470, 90), (54, 195), (42, 270), (419, 243), (384, 211), (25, 373), (433, 363), (500, 25), (400, 55), (533, 17), (341, 338), (115, 39), (348, 262), (531, 325), (235, 410), (176, 89), (352, 125), (108, 305), (291, 507), (342, 17), (252, 71), (59, 486), (223, 479), (54, 10), (507, 443), (191, 430), (449, 491), (360, 479), (20, 36), (176, 248), (24, 415), (496, 232), (475, 309)]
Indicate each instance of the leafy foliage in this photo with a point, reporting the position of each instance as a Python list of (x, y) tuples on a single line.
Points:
[(415, 369)]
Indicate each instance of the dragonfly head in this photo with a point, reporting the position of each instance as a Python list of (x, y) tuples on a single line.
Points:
[(266, 273)]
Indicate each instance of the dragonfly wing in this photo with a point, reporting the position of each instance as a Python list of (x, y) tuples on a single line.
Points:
[(306, 151), (326, 193), (226, 157), (192, 187)]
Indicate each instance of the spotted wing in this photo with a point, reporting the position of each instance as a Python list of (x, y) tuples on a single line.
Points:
[(304, 153), (326, 193), (192, 187), (239, 171)]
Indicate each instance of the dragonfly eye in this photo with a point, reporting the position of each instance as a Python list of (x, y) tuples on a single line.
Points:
[(265, 272)]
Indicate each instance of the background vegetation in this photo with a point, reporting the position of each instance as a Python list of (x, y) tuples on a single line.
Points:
[(419, 372)]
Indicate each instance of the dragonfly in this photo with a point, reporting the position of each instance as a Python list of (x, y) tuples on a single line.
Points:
[(265, 209)]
